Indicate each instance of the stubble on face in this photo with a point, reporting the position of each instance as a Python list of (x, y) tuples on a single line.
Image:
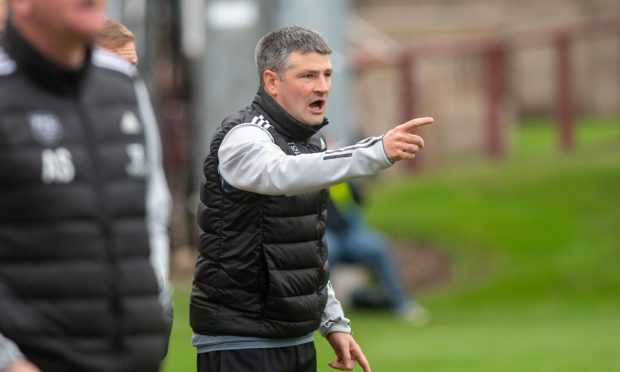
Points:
[(60, 30), (70, 19), (87, 17), (304, 86), (2, 14)]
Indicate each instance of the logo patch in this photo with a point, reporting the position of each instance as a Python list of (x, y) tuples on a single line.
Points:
[(57, 166), (130, 123), (137, 166), (323, 145), (46, 128), (261, 121), (294, 148), (7, 65)]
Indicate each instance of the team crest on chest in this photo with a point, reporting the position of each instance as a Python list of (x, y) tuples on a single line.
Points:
[(46, 128), (130, 123)]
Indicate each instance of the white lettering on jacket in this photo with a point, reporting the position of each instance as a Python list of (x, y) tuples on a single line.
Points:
[(57, 166)]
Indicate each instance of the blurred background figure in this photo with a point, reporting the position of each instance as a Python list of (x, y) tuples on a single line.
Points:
[(117, 38), (84, 203), (350, 240)]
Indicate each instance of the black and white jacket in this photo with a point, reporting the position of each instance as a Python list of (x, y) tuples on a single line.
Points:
[(83, 214), (262, 269)]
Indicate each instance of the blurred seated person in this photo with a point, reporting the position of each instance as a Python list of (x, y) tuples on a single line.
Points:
[(351, 240)]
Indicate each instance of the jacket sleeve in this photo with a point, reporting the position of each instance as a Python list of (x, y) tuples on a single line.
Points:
[(333, 319), (251, 161), (158, 207), (9, 353), (158, 200), (158, 204)]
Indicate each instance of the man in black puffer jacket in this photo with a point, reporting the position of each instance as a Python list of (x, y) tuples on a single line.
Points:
[(83, 200), (261, 282)]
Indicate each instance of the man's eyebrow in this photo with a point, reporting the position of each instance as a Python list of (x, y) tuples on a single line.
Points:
[(316, 71)]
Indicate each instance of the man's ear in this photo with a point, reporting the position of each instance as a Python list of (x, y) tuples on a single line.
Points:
[(271, 82)]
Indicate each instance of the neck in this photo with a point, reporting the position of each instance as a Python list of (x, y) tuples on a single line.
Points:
[(66, 52)]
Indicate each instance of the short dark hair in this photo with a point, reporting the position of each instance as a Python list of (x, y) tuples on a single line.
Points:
[(273, 50)]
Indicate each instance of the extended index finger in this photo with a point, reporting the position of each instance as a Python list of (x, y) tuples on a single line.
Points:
[(363, 362), (416, 123), (358, 355)]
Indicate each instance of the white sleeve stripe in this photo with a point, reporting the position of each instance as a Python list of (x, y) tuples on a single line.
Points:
[(366, 140), (261, 121)]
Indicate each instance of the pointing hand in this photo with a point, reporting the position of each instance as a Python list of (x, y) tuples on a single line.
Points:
[(400, 143)]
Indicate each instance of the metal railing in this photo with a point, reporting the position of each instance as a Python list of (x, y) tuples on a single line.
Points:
[(493, 50)]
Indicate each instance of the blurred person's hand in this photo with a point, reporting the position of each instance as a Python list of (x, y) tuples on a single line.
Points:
[(348, 352), (22, 365), (400, 143)]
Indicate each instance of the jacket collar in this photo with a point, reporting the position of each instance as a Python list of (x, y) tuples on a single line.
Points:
[(282, 120), (40, 70)]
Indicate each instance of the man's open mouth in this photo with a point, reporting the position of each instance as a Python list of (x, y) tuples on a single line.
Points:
[(317, 104)]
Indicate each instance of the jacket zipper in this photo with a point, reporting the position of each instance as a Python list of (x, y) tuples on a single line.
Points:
[(116, 338)]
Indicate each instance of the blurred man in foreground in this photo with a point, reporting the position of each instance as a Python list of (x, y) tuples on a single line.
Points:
[(261, 284), (84, 205), (120, 41)]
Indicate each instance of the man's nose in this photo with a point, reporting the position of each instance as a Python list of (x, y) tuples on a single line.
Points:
[(322, 85)]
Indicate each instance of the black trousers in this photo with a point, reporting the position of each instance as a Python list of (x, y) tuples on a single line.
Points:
[(300, 358)]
